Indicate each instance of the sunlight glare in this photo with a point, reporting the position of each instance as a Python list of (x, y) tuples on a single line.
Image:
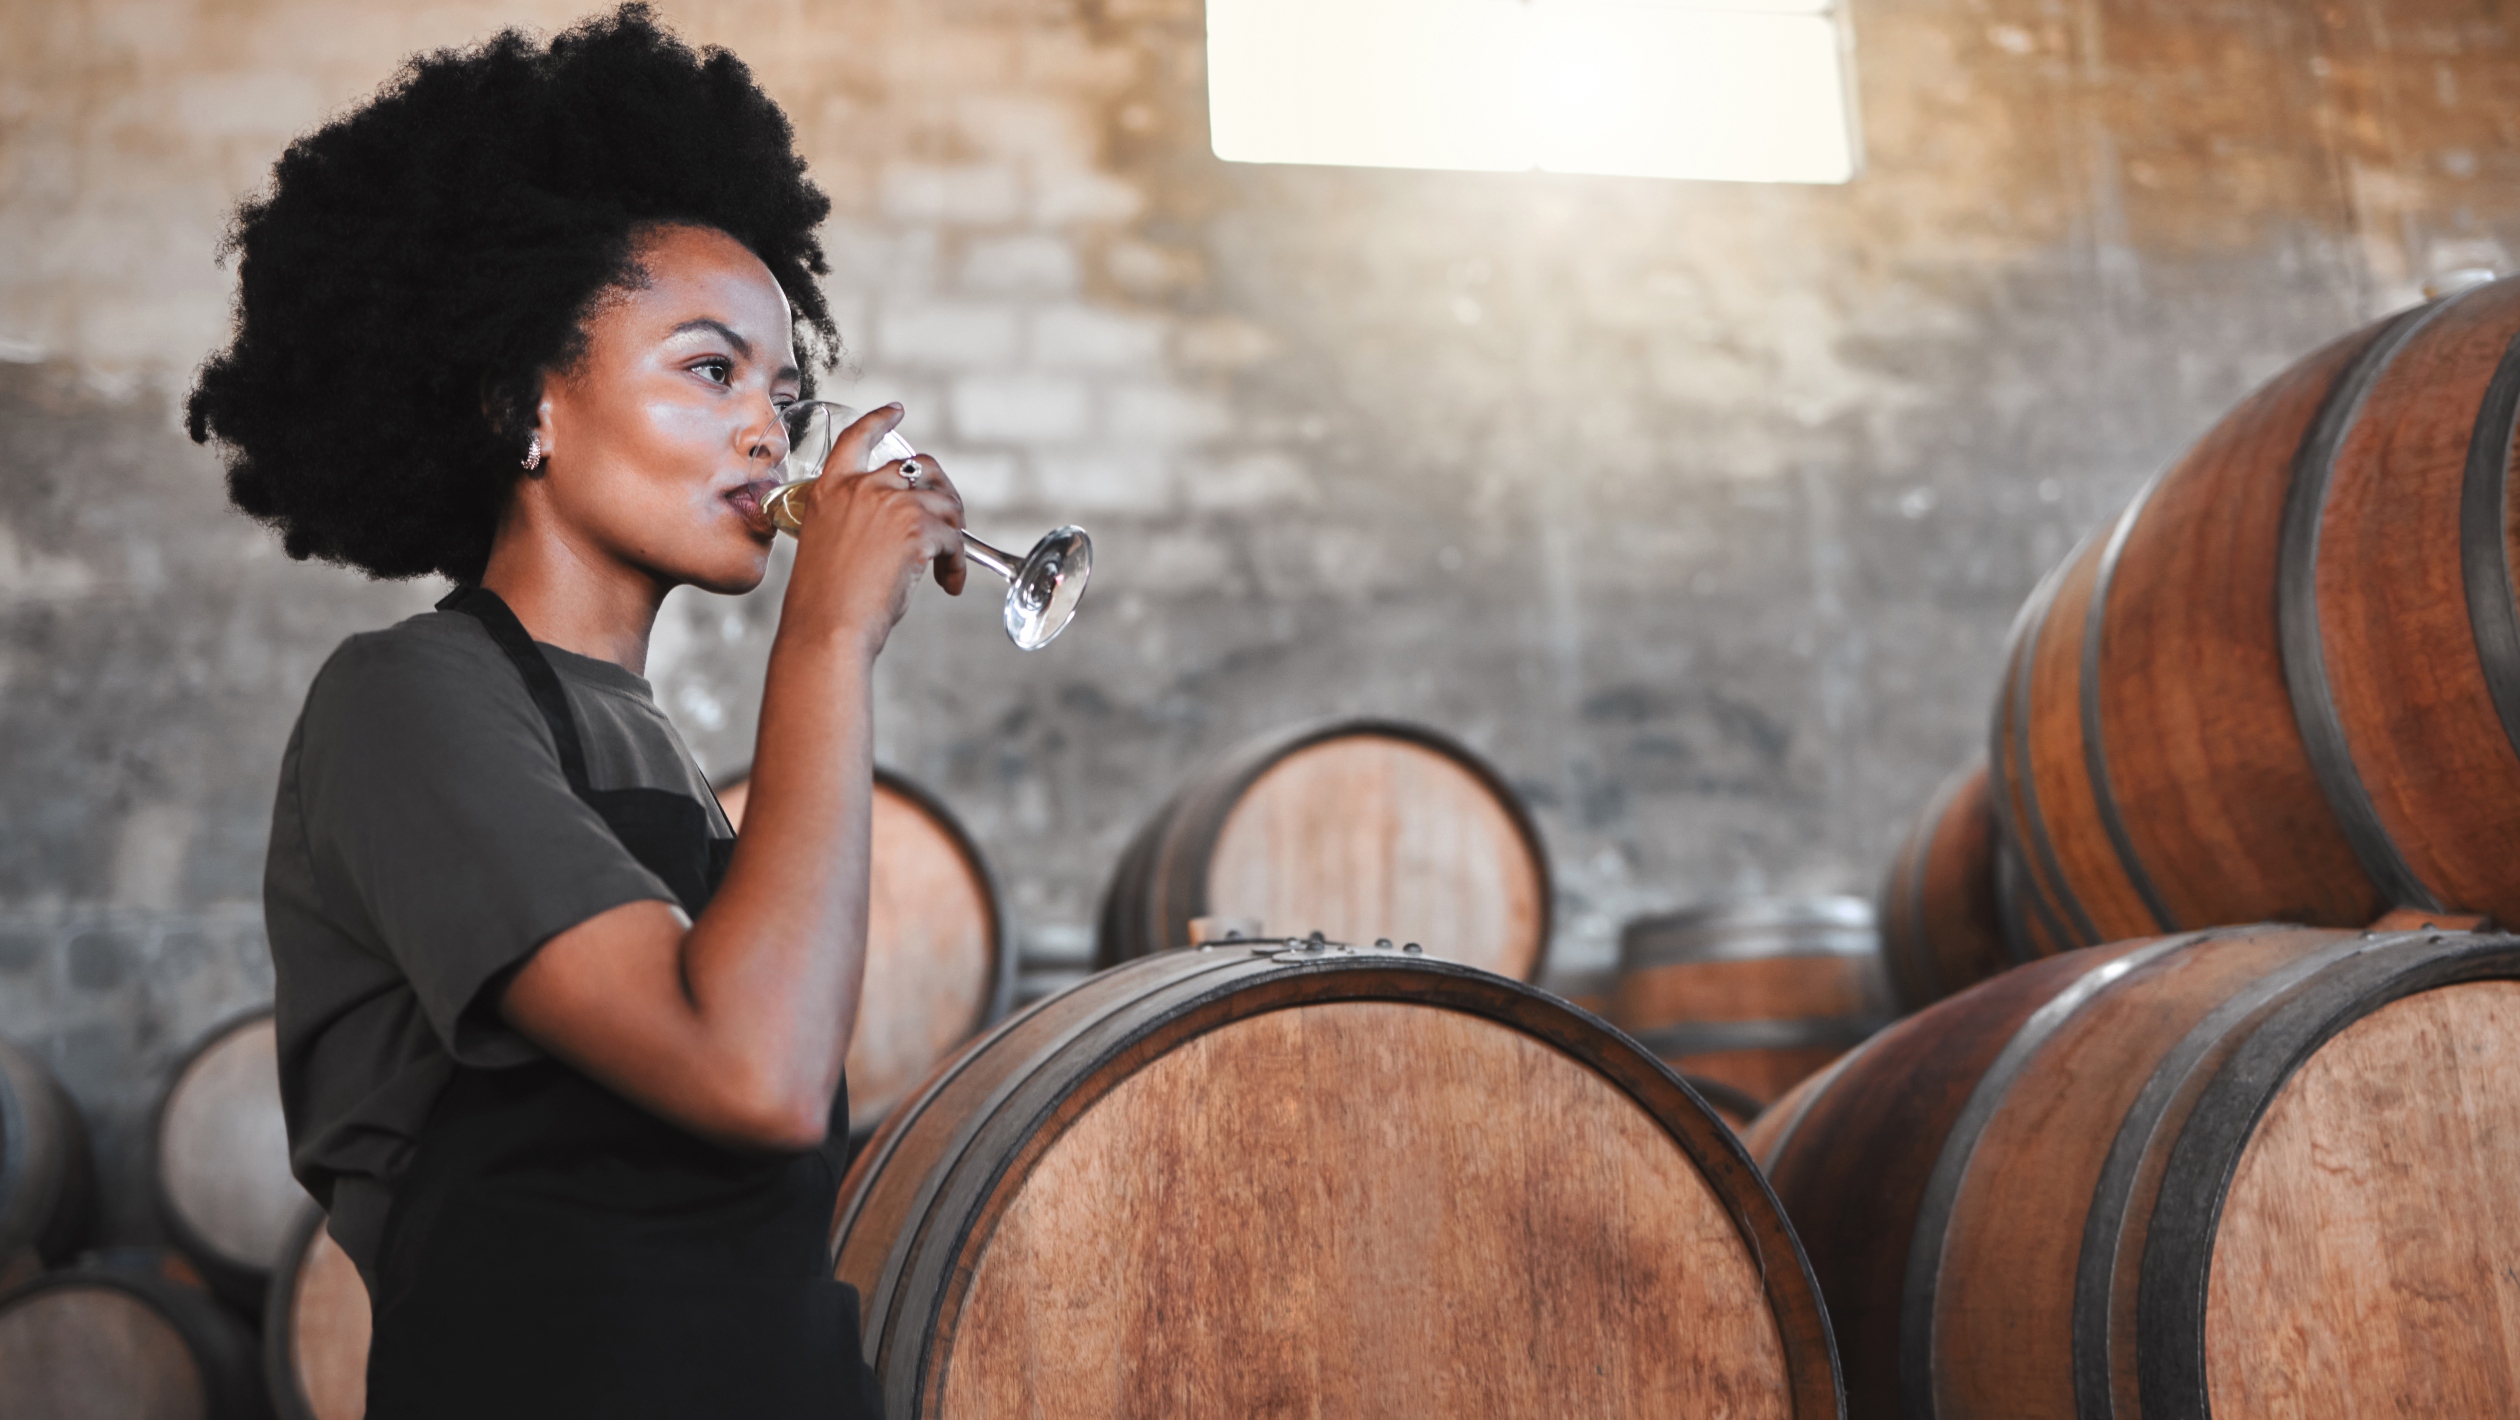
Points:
[(1753, 91)]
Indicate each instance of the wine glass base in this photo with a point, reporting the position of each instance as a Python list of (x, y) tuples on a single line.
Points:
[(1043, 594)]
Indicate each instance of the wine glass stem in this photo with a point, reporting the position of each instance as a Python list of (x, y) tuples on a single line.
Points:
[(990, 557)]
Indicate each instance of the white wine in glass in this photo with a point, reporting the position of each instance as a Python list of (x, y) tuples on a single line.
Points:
[(1042, 587)]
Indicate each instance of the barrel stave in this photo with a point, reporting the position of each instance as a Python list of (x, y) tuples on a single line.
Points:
[(2034, 890), (2401, 658), (2070, 810)]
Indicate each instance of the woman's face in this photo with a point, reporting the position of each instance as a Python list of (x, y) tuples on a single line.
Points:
[(663, 438)]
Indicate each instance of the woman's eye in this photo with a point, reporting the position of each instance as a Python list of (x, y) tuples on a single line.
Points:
[(716, 371)]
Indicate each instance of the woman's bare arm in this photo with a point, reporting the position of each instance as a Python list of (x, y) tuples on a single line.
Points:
[(736, 1026)]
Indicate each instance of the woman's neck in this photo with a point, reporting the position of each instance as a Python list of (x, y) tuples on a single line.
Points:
[(573, 596)]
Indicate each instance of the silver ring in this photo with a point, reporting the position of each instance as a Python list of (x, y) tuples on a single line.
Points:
[(910, 472)]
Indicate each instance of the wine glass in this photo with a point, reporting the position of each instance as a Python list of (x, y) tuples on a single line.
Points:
[(1042, 588)]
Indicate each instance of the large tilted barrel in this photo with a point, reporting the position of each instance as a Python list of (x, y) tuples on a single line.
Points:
[(220, 1158), (123, 1344), (1356, 828), (1225, 1181), (2254, 1171), (1757, 993), (2284, 683), (47, 1180), (316, 1327), (939, 964), (1941, 917)]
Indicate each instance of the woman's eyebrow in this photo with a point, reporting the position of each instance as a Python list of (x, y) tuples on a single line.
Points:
[(743, 347)]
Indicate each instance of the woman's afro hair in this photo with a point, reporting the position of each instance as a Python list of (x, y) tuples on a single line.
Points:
[(416, 267)]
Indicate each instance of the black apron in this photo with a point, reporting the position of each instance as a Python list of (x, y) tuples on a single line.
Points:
[(557, 1251)]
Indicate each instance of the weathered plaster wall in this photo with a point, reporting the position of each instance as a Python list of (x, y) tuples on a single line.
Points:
[(1702, 509)]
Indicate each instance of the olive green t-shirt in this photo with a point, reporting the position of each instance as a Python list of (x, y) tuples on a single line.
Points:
[(423, 844)]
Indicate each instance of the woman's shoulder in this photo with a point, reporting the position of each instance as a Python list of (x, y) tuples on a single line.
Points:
[(438, 666)]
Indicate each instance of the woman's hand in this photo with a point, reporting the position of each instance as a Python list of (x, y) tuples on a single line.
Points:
[(865, 537)]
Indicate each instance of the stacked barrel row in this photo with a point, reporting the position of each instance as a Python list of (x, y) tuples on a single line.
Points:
[(2252, 1171), (2283, 684), (2218, 1116)]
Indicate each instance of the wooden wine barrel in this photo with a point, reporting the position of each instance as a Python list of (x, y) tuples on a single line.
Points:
[(1360, 829), (219, 1162), (1205, 1182), (939, 964), (1756, 994), (316, 1327), (2255, 1171), (47, 1177), (1941, 915), (2284, 683), (115, 1344)]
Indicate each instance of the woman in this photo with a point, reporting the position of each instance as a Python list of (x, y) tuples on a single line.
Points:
[(560, 1057)]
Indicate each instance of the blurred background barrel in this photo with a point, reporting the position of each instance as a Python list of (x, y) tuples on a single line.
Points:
[(219, 1162), (1590, 989), (2253, 1171), (1343, 1175), (1941, 917), (316, 1327), (940, 965), (99, 1343), (47, 1179), (2284, 683), (1754, 994), (1355, 828)]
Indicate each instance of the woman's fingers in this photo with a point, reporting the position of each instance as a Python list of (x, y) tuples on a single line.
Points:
[(933, 509), (937, 494), (848, 451)]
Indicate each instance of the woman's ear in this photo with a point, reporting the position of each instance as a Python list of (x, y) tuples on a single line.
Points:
[(505, 408), (538, 445)]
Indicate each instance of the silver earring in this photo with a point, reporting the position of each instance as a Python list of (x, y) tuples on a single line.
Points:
[(533, 453)]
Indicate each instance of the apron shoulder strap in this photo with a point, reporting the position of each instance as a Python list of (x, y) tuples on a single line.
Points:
[(541, 681)]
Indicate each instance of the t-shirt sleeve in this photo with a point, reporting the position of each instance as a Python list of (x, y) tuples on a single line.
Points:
[(437, 814)]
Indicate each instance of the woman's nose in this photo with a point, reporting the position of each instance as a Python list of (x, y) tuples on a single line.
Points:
[(766, 438)]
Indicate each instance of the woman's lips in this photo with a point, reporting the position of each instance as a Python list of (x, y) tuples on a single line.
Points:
[(747, 500)]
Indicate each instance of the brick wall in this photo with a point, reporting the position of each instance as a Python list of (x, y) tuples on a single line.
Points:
[(1701, 509)]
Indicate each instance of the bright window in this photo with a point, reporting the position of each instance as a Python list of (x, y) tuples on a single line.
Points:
[(1744, 90)]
